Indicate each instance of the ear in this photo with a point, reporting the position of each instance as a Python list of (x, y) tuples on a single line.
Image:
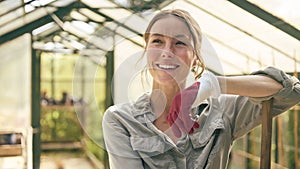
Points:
[(195, 61)]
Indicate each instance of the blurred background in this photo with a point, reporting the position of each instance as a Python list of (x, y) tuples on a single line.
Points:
[(63, 62)]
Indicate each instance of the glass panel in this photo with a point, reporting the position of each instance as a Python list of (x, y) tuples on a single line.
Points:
[(44, 28), (69, 27), (8, 5), (99, 3), (83, 26), (105, 44), (288, 10), (45, 2), (62, 3), (125, 33), (116, 14), (128, 66), (7, 18), (133, 21), (268, 38), (15, 77), (35, 15), (92, 15), (241, 35), (78, 16)]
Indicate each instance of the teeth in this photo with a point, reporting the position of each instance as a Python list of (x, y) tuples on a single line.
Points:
[(167, 66)]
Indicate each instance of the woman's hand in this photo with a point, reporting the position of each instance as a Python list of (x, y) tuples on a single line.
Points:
[(209, 88), (179, 116)]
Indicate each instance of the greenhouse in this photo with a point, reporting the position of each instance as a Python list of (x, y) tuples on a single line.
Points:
[(65, 62)]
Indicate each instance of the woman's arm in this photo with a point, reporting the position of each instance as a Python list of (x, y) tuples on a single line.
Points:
[(117, 142), (250, 85), (244, 113)]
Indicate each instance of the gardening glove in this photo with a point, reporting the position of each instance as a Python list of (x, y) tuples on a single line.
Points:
[(179, 117), (209, 88)]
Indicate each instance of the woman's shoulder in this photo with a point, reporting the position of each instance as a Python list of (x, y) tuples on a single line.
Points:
[(119, 109), (129, 109)]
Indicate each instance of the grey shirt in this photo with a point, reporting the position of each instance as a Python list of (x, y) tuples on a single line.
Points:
[(133, 142)]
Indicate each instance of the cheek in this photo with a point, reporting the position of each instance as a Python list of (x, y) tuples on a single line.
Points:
[(152, 54), (186, 57)]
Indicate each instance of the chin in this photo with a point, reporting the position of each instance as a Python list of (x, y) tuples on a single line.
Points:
[(169, 78), (170, 81)]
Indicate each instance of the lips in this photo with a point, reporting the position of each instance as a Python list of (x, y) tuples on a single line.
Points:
[(167, 66)]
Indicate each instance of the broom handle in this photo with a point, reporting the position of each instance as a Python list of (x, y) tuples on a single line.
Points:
[(266, 135)]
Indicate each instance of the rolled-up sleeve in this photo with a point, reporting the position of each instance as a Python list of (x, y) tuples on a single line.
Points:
[(287, 97), (244, 113)]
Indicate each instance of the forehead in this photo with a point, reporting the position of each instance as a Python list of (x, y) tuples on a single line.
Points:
[(170, 26)]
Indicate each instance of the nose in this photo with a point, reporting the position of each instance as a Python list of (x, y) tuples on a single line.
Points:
[(167, 51)]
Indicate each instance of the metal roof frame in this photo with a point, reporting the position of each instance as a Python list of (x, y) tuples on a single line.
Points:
[(268, 17), (61, 14), (29, 27), (258, 39)]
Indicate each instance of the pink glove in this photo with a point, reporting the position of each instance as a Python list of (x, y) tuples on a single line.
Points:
[(179, 116)]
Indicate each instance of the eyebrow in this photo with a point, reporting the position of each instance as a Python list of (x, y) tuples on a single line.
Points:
[(176, 36), (156, 34)]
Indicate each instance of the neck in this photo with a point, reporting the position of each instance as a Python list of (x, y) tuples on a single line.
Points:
[(161, 99)]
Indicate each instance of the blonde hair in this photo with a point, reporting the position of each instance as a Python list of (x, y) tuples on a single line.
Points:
[(194, 29)]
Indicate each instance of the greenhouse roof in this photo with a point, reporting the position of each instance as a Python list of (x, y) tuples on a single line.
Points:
[(244, 35)]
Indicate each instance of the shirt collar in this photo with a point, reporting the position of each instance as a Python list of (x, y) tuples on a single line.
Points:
[(142, 105), (213, 121)]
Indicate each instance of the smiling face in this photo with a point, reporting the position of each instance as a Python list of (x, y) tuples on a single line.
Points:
[(170, 51)]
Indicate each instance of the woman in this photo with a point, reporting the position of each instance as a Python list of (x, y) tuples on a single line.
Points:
[(184, 127)]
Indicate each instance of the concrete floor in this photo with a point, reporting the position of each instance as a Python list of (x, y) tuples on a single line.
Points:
[(17, 162), (58, 160), (63, 160)]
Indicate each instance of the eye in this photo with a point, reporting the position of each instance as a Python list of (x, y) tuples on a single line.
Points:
[(158, 41), (181, 43)]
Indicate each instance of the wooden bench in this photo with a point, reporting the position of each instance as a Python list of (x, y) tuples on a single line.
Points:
[(11, 143), (11, 150)]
